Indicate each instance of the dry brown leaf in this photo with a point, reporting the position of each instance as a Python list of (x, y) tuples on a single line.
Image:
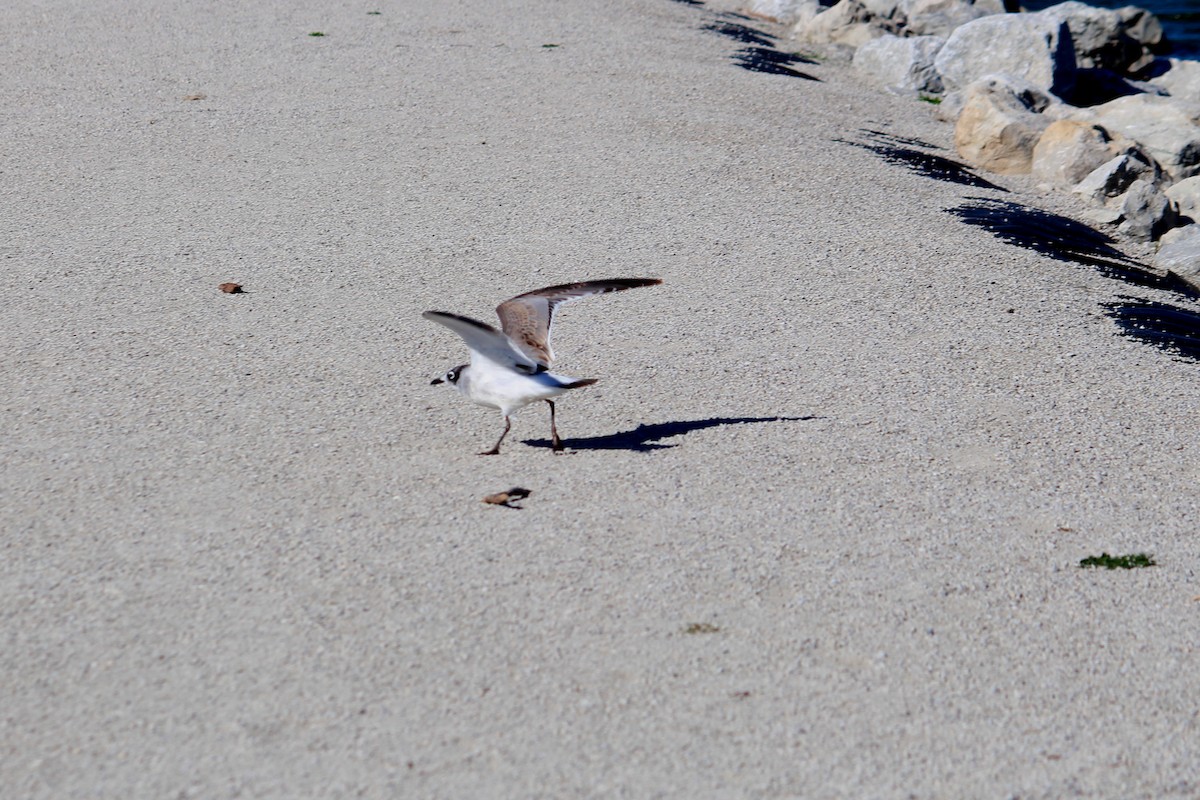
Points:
[(507, 498)]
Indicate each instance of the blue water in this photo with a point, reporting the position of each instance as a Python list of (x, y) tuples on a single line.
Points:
[(1180, 19)]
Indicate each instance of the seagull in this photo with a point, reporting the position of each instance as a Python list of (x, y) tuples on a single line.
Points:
[(510, 367)]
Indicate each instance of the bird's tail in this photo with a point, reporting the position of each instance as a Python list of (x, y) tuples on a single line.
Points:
[(580, 383)]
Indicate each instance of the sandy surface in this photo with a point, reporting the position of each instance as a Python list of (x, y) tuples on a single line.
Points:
[(242, 548)]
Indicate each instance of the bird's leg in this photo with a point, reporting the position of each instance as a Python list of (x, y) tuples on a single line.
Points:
[(495, 451), (556, 443)]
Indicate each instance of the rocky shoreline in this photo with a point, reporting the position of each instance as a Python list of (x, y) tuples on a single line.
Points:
[(1083, 99)]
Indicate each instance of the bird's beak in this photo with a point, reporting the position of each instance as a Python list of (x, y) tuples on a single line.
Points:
[(436, 381)]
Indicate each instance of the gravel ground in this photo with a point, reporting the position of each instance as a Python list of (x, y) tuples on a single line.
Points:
[(818, 533)]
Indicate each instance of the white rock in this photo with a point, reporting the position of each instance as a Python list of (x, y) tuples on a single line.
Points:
[(1163, 126), (850, 22), (1181, 80), (1097, 36), (904, 64), (1000, 124), (1181, 256), (1021, 91), (884, 9), (1114, 177), (1186, 197), (1058, 110), (787, 12), (941, 17), (1033, 47), (1143, 27), (950, 107), (1068, 151), (1175, 235), (1145, 211)]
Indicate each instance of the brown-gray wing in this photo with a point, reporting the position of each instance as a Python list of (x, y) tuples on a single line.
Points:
[(484, 341), (527, 318)]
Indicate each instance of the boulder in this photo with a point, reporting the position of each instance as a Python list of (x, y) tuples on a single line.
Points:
[(1181, 257), (1179, 78), (1068, 151), (1114, 177), (787, 12), (885, 9), (1145, 211), (950, 107), (1144, 28), (941, 17), (1186, 231), (1097, 36), (1000, 124), (1186, 197), (1033, 47), (850, 22), (904, 64), (1164, 127)]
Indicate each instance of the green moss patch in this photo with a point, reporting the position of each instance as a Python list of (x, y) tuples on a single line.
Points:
[(1132, 561)]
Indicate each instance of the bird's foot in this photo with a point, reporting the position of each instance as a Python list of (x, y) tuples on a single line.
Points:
[(495, 451)]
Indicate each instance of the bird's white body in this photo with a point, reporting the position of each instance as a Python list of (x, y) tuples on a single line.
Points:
[(489, 384), (510, 368)]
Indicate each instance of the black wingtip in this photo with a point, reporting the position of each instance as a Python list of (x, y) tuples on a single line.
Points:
[(439, 316), (620, 284), (610, 284), (635, 283)]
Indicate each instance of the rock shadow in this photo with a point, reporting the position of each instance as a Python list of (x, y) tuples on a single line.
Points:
[(1063, 239), (646, 438), (772, 62), (741, 33), (1095, 86), (1170, 328), (891, 138), (902, 152)]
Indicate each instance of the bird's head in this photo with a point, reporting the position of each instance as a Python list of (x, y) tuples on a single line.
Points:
[(450, 377)]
